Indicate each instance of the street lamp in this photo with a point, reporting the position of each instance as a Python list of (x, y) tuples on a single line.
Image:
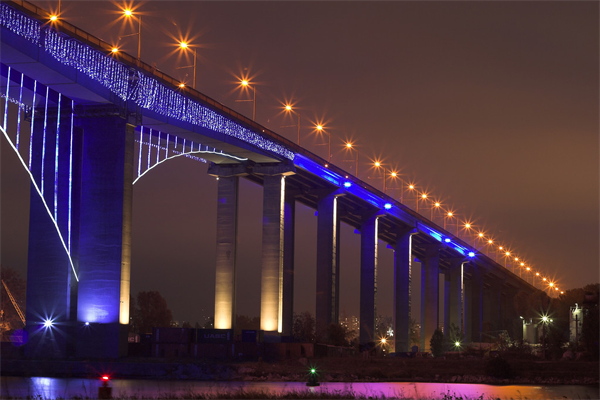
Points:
[(350, 146), (184, 45), (245, 84), (128, 13), (319, 128), (290, 109)]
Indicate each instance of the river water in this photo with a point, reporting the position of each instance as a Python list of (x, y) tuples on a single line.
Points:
[(63, 388)]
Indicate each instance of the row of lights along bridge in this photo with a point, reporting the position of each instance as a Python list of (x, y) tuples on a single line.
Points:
[(392, 181)]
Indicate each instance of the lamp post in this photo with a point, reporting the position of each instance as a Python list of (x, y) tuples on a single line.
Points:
[(245, 84), (186, 46), (320, 130), (289, 109), (128, 13), (350, 146)]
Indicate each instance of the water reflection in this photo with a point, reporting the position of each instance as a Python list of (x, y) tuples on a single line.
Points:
[(54, 388)]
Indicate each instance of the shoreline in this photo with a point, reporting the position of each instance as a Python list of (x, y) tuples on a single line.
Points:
[(345, 369)]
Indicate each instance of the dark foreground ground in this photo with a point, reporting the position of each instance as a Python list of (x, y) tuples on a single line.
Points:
[(343, 369)]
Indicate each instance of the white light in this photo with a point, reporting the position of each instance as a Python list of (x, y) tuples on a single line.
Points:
[(48, 323)]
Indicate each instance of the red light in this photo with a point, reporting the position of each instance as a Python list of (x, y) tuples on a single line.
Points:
[(105, 378)]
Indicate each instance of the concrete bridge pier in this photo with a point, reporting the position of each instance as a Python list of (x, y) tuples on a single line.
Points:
[(402, 289), (430, 288), (104, 233), (328, 262), (275, 248), (227, 220), (368, 279), (454, 298), (474, 303), (51, 280)]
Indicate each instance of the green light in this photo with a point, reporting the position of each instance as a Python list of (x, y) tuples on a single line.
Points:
[(313, 371)]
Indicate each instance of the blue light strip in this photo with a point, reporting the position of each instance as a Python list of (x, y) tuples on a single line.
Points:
[(19, 114), (5, 124), (32, 124), (44, 140), (56, 144), (69, 222)]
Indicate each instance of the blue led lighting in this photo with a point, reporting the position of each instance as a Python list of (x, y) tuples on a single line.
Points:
[(146, 92), (447, 240), (387, 206), (471, 254), (347, 184)]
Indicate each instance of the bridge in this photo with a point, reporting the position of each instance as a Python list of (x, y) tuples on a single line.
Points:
[(87, 123)]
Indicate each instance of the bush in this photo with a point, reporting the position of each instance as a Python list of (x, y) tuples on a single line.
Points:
[(498, 367), (437, 343)]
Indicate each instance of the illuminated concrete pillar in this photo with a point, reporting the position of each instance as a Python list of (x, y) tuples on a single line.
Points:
[(454, 295), (368, 279), (53, 236), (105, 233), (430, 287), (273, 246), (402, 289), (328, 261), (227, 220), (288, 262), (474, 300)]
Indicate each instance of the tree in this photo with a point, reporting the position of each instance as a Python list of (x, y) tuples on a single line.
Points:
[(303, 328), (437, 343), (337, 335), (150, 310)]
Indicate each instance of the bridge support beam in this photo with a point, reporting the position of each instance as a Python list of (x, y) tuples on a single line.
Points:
[(274, 300), (402, 289), (227, 220), (368, 279), (105, 234), (328, 263), (430, 288)]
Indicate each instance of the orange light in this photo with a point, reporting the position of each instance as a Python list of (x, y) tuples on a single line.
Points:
[(182, 85), (507, 253), (244, 82), (450, 213), (393, 174), (128, 12), (537, 274), (114, 50), (424, 196), (528, 269), (319, 127), (437, 204), (377, 164), (348, 145), (544, 279), (183, 45), (411, 187), (490, 241), (468, 225), (54, 18), (288, 107), (480, 234)]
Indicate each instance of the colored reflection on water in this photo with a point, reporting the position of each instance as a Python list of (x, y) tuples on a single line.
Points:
[(55, 388)]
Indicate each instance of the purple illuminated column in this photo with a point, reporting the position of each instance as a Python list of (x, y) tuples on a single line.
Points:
[(430, 286), (368, 279), (105, 232), (328, 261), (402, 289)]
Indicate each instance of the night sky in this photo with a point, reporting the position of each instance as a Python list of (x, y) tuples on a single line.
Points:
[(491, 107)]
